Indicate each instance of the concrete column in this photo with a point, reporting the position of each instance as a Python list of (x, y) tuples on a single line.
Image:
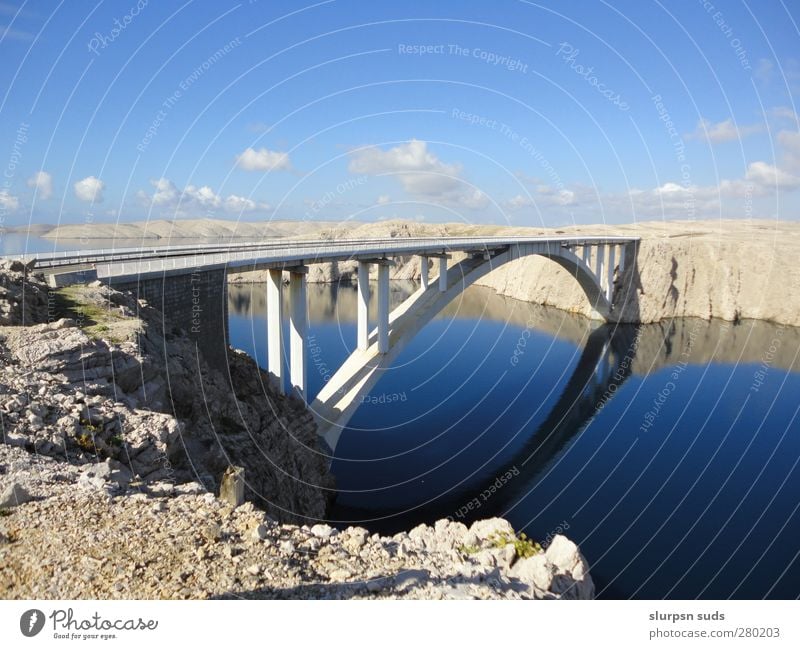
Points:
[(298, 325), (442, 274), (610, 273), (586, 251), (275, 327), (423, 270), (363, 305), (600, 264), (383, 308)]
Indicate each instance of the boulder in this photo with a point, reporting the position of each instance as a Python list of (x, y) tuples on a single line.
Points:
[(231, 488), (535, 571), (13, 495), (484, 529), (572, 579)]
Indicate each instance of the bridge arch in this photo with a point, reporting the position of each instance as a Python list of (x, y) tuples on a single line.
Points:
[(341, 396)]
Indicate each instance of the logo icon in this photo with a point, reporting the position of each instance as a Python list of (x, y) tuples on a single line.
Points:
[(31, 622)]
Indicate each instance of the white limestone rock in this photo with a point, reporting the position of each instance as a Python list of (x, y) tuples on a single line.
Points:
[(13, 495)]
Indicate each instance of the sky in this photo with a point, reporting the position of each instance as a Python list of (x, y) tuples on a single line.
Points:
[(512, 112)]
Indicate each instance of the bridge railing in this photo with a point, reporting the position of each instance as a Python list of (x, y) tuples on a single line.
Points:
[(292, 248)]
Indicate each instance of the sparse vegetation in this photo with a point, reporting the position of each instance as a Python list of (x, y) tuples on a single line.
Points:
[(523, 546), (86, 442), (97, 320), (468, 549)]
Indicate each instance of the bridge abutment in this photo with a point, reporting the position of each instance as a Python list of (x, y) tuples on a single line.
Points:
[(195, 302)]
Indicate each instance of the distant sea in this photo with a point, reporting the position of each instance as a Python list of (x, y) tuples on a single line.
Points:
[(18, 243)]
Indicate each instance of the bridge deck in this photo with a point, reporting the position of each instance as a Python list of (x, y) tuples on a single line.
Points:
[(144, 262)]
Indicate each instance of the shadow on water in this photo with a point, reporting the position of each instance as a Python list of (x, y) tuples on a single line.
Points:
[(665, 495), (604, 364)]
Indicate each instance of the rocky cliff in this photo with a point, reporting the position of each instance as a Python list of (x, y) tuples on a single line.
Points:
[(100, 378)]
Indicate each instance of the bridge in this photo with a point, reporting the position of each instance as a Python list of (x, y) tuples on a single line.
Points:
[(188, 284)]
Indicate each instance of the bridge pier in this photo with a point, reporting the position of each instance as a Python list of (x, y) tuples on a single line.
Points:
[(610, 274), (363, 305), (275, 327), (383, 308), (443, 274), (600, 265), (298, 325), (423, 272)]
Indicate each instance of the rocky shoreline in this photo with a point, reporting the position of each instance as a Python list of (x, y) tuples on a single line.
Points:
[(111, 465)]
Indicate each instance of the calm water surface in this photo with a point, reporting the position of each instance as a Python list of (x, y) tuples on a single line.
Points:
[(669, 453)]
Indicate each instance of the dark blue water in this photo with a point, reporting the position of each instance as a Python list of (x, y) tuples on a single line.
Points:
[(668, 453)]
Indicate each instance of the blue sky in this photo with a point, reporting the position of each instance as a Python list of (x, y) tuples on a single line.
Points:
[(526, 113)]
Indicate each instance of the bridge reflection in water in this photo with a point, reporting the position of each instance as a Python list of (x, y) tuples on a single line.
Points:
[(604, 356)]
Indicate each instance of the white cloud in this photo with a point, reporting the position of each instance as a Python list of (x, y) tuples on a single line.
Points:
[(204, 196), (724, 131), (764, 70), (42, 182), (7, 33), (790, 142), (192, 197), (767, 175), (263, 160), (235, 203), (518, 202), (420, 172), (166, 193), (90, 190), (383, 199), (784, 112), (8, 203)]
